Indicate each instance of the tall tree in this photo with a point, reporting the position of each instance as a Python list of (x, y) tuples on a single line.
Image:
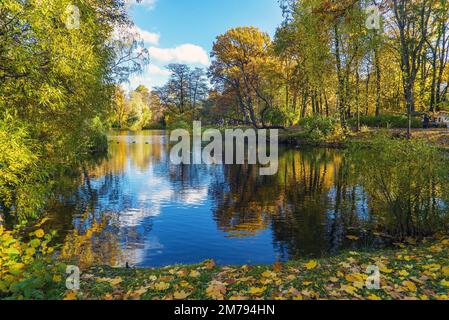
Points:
[(412, 22)]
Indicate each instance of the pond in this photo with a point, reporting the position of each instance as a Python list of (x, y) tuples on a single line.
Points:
[(136, 207)]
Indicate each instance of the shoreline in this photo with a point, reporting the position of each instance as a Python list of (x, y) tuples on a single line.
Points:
[(413, 272)]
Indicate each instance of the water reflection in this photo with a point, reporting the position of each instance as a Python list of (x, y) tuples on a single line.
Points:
[(136, 207)]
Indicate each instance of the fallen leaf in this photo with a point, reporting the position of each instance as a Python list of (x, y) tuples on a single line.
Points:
[(312, 264), (71, 296), (445, 271), (209, 264), (404, 273), (113, 282), (410, 286), (161, 286), (216, 290), (194, 274), (181, 295), (257, 291)]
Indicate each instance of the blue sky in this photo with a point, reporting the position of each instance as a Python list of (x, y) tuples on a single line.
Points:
[(183, 31)]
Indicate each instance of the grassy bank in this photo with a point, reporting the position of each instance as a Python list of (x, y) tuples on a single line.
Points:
[(417, 271), (298, 137)]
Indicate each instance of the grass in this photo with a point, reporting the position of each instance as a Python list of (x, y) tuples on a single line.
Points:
[(412, 272)]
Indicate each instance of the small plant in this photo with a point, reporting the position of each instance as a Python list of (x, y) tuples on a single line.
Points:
[(323, 129), (364, 129), (27, 268)]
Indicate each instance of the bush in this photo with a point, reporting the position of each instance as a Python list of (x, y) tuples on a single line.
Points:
[(323, 128), (406, 182), (97, 136), (275, 116), (24, 174), (27, 269), (387, 121)]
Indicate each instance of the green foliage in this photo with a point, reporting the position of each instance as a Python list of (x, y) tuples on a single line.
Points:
[(402, 177), (322, 129), (275, 117), (387, 121), (97, 139), (27, 268), (178, 123), (23, 176), (56, 85)]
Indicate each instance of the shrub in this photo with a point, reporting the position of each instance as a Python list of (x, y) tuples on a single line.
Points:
[(97, 136), (24, 174), (323, 128), (275, 116), (27, 268), (406, 182)]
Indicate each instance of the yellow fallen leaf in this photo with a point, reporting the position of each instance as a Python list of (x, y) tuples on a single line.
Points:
[(386, 270), (257, 291), (194, 274), (113, 282), (138, 293), (373, 297), (349, 289), (181, 295), (445, 271), (404, 273), (410, 286), (108, 297), (268, 274), (209, 264), (216, 290), (161, 286), (71, 295), (352, 238), (432, 267), (355, 277), (312, 264)]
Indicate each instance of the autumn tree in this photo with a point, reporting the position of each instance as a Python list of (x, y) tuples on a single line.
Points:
[(185, 91), (241, 60)]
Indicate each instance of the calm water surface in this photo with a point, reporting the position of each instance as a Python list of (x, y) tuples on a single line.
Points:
[(135, 207)]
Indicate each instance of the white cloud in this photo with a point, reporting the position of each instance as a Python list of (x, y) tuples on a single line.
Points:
[(155, 70), (129, 34), (148, 37), (186, 53)]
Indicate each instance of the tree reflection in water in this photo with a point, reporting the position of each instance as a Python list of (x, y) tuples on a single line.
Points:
[(136, 207)]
